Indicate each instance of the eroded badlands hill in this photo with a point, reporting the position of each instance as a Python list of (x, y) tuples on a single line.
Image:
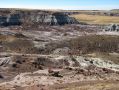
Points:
[(37, 17), (55, 56)]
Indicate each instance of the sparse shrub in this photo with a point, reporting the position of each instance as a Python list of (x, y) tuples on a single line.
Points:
[(95, 43), (21, 46), (88, 44)]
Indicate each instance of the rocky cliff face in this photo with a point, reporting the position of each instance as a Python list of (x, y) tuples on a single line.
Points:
[(53, 19), (38, 17), (13, 19)]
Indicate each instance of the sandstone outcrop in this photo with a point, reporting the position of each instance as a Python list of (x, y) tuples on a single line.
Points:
[(19, 17), (13, 19), (53, 19), (112, 27)]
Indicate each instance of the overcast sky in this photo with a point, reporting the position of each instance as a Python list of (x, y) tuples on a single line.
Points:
[(61, 4)]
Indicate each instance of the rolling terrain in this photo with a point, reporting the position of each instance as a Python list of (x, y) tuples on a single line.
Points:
[(52, 50), (96, 19)]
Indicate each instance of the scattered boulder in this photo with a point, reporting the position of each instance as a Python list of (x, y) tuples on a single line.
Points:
[(54, 73), (5, 61), (14, 65), (1, 77)]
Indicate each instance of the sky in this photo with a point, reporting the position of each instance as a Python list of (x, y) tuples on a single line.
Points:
[(61, 4)]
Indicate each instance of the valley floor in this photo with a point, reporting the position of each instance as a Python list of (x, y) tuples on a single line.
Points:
[(51, 59)]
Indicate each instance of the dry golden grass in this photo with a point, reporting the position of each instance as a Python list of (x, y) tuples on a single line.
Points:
[(88, 85), (96, 19), (100, 86), (7, 38)]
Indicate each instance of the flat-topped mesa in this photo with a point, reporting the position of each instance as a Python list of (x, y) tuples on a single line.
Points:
[(35, 17)]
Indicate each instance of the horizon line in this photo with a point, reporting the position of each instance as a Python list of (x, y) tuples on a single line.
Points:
[(51, 8)]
